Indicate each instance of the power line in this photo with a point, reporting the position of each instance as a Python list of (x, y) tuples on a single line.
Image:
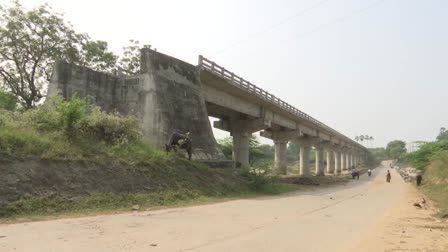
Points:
[(272, 27), (335, 21), (340, 19)]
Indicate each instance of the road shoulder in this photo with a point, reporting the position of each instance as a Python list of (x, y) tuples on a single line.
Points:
[(407, 228)]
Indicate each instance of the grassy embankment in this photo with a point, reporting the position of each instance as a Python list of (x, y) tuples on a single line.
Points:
[(432, 160), (78, 132)]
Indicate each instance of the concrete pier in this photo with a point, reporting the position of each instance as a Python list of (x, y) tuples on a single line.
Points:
[(348, 161), (319, 161), (352, 161), (280, 157), (304, 160), (240, 151), (337, 162), (330, 161), (343, 161)]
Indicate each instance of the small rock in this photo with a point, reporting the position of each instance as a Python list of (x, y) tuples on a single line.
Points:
[(135, 207), (153, 245), (2, 236), (403, 231), (331, 197)]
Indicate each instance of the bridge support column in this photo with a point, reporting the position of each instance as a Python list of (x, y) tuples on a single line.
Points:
[(352, 161), (304, 159), (330, 161), (343, 161), (281, 139), (337, 161), (319, 161), (241, 130), (348, 160), (280, 157), (240, 152)]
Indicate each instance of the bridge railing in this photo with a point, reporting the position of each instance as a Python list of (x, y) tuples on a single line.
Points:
[(245, 85)]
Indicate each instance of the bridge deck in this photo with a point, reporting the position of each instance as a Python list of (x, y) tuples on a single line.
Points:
[(237, 82)]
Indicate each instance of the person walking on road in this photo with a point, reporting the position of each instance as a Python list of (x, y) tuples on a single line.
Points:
[(418, 179), (388, 177)]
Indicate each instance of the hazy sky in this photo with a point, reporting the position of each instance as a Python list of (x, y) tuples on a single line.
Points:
[(360, 66)]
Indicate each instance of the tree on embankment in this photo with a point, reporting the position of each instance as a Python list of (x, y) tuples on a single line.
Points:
[(443, 134)]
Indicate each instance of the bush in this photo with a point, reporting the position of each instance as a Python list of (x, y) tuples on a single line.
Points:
[(421, 158), (257, 178), (79, 119), (67, 129), (110, 128), (435, 180), (71, 113), (7, 101)]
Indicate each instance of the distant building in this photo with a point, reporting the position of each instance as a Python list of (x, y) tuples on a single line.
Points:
[(414, 146)]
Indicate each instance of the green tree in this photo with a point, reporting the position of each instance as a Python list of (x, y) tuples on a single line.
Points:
[(396, 149), (7, 101), (292, 153), (443, 134), (31, 41), (258, 153), (129, 61), (95, 55), (226, 145), (378, 153)]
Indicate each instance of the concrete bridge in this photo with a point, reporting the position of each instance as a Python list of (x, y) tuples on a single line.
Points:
[(244, 108), (171, 95)]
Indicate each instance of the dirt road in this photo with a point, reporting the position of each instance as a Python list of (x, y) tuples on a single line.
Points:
[(354, 217)]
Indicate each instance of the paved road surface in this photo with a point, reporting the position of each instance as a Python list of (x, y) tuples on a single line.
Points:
[(330, 219)]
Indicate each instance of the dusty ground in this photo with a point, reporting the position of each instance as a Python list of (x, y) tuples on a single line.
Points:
[(364, 215), (407, 228)]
